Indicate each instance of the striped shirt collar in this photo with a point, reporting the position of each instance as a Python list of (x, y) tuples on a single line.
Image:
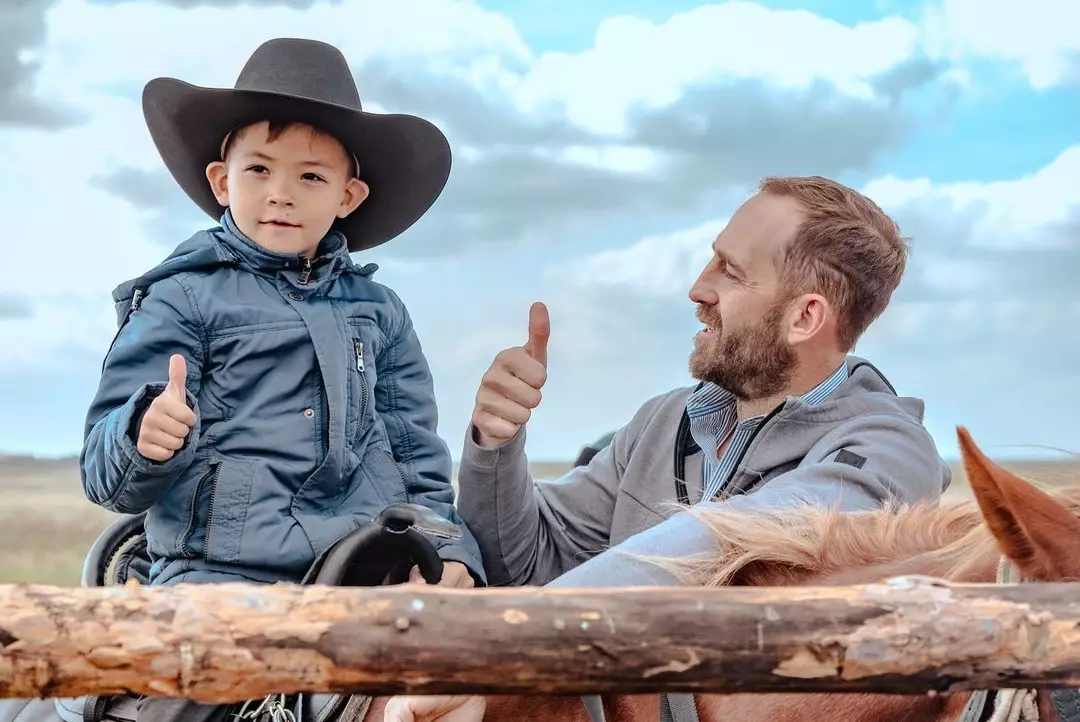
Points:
[(712, 420), (711, 398)]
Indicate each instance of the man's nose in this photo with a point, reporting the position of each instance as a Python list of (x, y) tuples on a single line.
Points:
[(702, 293)]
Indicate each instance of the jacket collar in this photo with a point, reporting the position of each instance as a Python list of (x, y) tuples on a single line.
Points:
[(330, 260)]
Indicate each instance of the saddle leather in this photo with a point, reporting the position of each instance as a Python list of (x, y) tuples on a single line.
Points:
[(384, 551), (118, 537)]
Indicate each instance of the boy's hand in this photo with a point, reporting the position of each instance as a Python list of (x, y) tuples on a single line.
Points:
[(169, 419), (455, 574)]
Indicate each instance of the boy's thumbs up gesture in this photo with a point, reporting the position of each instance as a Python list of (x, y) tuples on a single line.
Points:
[(169, 419)]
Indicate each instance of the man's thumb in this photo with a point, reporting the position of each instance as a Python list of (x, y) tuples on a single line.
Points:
[(177, 377), (539, 331)]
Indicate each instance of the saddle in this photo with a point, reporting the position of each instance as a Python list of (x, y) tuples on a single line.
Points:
[(376, 554)]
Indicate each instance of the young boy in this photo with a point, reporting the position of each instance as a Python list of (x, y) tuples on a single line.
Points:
[(264, 396)]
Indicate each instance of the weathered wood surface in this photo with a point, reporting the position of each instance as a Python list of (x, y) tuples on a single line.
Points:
[(233, 642)]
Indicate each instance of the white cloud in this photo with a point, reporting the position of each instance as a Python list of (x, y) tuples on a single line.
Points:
[(634, 61), (596, 87), (92, 46), (1040, 35), (75, 242), (659, 265), (954, 275), (1007, 210)]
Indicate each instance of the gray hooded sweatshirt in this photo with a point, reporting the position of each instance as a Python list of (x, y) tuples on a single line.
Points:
[(859, 448)]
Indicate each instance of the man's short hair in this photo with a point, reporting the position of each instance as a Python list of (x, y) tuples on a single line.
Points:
[(847, 249)]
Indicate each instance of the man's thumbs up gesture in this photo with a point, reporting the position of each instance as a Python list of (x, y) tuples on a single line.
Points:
[(169, 419), (510, 389)]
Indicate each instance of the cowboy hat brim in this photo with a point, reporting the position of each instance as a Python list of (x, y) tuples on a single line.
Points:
[(404, 159)]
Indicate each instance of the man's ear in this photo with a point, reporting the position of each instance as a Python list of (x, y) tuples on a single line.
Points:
[(808, 315), (356, 192), (217, 174)]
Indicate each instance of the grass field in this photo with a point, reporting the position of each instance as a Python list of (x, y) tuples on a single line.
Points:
[(46, 525)]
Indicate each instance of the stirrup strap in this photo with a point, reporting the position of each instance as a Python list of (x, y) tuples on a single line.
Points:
[(674, 707), (678, 707)]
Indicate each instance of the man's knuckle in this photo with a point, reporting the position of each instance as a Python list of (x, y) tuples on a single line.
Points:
[(489, 399)]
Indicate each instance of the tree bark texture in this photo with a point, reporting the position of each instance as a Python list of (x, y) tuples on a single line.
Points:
[(219, 643)]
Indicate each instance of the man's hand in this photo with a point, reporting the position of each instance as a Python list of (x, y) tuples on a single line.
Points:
[(510, 389), (435, 708), (169, 419), (455, 574)]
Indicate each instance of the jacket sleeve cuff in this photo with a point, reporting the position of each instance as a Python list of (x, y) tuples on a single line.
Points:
[(455, 551)]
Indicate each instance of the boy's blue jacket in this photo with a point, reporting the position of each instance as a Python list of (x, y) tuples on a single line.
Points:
[(315, 410)]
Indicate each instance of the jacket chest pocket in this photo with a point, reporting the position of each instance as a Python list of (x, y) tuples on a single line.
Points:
[(362, 376)]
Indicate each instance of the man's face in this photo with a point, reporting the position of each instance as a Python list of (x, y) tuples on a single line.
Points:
[(744, 346), (286, 193)]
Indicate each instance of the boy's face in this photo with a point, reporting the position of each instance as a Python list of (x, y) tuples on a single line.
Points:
[(285, 193)]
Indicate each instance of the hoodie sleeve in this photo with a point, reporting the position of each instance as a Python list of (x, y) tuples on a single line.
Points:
[(136, 369), (871, 461), (405, 397)]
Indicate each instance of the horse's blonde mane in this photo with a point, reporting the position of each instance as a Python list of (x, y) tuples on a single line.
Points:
[(791, 546)]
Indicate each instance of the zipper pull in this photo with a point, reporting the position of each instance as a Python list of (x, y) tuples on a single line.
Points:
[(305, 271), (358, 348)]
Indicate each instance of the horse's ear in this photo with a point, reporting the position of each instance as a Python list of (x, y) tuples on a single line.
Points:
[(1032, 528)]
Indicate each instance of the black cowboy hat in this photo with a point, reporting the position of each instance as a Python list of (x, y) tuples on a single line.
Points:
[(404, 159)]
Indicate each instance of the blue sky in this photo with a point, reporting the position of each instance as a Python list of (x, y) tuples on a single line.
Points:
[(598, 148)]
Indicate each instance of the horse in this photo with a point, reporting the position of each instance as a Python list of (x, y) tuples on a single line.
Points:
[(1010, 519)]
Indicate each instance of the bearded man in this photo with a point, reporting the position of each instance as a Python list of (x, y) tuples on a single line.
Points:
[(783, 414)]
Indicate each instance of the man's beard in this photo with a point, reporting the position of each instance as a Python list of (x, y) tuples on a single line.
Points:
[(752, 363)]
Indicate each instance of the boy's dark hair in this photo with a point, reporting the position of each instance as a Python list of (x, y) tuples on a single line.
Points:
[(277, 128)]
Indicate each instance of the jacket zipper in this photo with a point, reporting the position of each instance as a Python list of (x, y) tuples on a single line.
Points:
[(358, 353), (136, 300), (358, 350), (210, 513), (210, 475), (725, 488), (305, 271)]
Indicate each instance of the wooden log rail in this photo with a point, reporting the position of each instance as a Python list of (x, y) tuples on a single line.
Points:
[(234, 642)]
